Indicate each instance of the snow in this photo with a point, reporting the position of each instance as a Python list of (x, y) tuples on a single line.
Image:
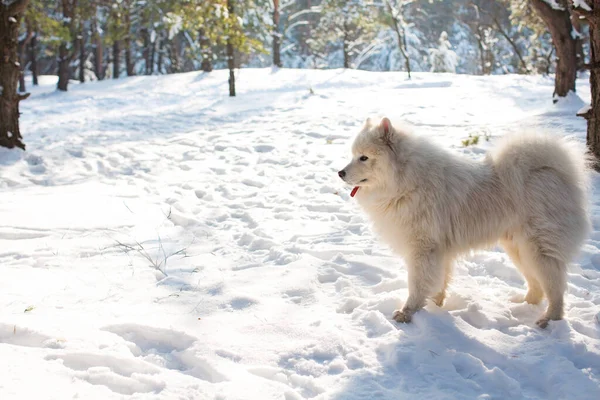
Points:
[(581, 4), (554, 5), (162, 240), (584, 109)]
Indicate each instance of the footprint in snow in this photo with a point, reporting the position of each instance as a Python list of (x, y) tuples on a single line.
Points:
[(167, 348), (125, 376)]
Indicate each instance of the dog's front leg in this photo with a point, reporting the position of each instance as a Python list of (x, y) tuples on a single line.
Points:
[(425, 272)]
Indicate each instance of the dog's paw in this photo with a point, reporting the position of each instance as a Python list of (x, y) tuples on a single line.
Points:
[(402, 316), (542, 322), (439, 298)]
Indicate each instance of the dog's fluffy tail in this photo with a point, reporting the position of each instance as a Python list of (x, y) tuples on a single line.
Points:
[(544, 172), (515, 158)]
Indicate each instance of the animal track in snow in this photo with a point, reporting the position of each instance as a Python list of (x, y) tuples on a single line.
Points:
[(147, 338), (19, 336), (121, 375), (168, 349)]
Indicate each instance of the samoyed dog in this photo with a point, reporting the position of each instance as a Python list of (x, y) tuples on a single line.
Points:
[(431, 206)]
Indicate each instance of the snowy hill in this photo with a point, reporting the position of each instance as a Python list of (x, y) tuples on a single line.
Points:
[(164, 241)]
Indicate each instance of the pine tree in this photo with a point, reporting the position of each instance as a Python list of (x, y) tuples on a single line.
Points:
[(443, 59)]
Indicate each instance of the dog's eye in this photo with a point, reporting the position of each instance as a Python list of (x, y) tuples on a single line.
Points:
[(363, 158)]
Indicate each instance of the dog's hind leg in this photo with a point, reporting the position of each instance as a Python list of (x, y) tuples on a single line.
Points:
[(551, 274), (425, 272), (554, 284), (439, 298), (553, 279), (534, 290)]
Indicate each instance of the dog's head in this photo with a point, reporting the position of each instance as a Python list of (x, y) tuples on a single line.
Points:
[(375, 153)]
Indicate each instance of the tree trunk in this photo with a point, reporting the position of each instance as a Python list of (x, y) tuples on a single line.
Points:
[(276, 35), (560, 27), (405, 52), (593, 113), (400, 36), (159, 62), (174, 55), (401, 43), (230, 54), (593, 119), (481, 51), (63, 67), (152, 57), (345, 49), (98, 50), (33, 56), (81, 41), (23, 46), (129, 64), (116, 58), (206, 51), (64, 58), (231, 66), (146, 50), (10, 16), (22, 88)]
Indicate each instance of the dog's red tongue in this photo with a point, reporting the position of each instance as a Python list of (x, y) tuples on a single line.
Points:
[(353, 193)]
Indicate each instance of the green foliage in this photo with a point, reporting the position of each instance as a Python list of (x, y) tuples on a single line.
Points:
[(244, 26), (178, 35), (45, 18), (117, 29), (471, 141)]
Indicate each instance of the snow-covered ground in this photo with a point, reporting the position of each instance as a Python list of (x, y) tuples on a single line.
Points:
[(161, 240)]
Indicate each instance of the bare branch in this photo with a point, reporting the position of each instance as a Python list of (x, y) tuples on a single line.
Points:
[(590, 66), (512, 43), (585, 113)]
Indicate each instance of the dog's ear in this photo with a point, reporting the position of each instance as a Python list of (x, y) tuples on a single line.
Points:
[(386, 130)]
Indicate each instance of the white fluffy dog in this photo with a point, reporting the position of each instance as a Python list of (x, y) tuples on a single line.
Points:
[(431, 206)]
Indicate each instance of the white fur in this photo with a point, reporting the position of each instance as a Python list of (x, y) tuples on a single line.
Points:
[(431, 206)]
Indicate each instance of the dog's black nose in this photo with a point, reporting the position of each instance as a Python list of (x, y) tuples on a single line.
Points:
[(342, 174)]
